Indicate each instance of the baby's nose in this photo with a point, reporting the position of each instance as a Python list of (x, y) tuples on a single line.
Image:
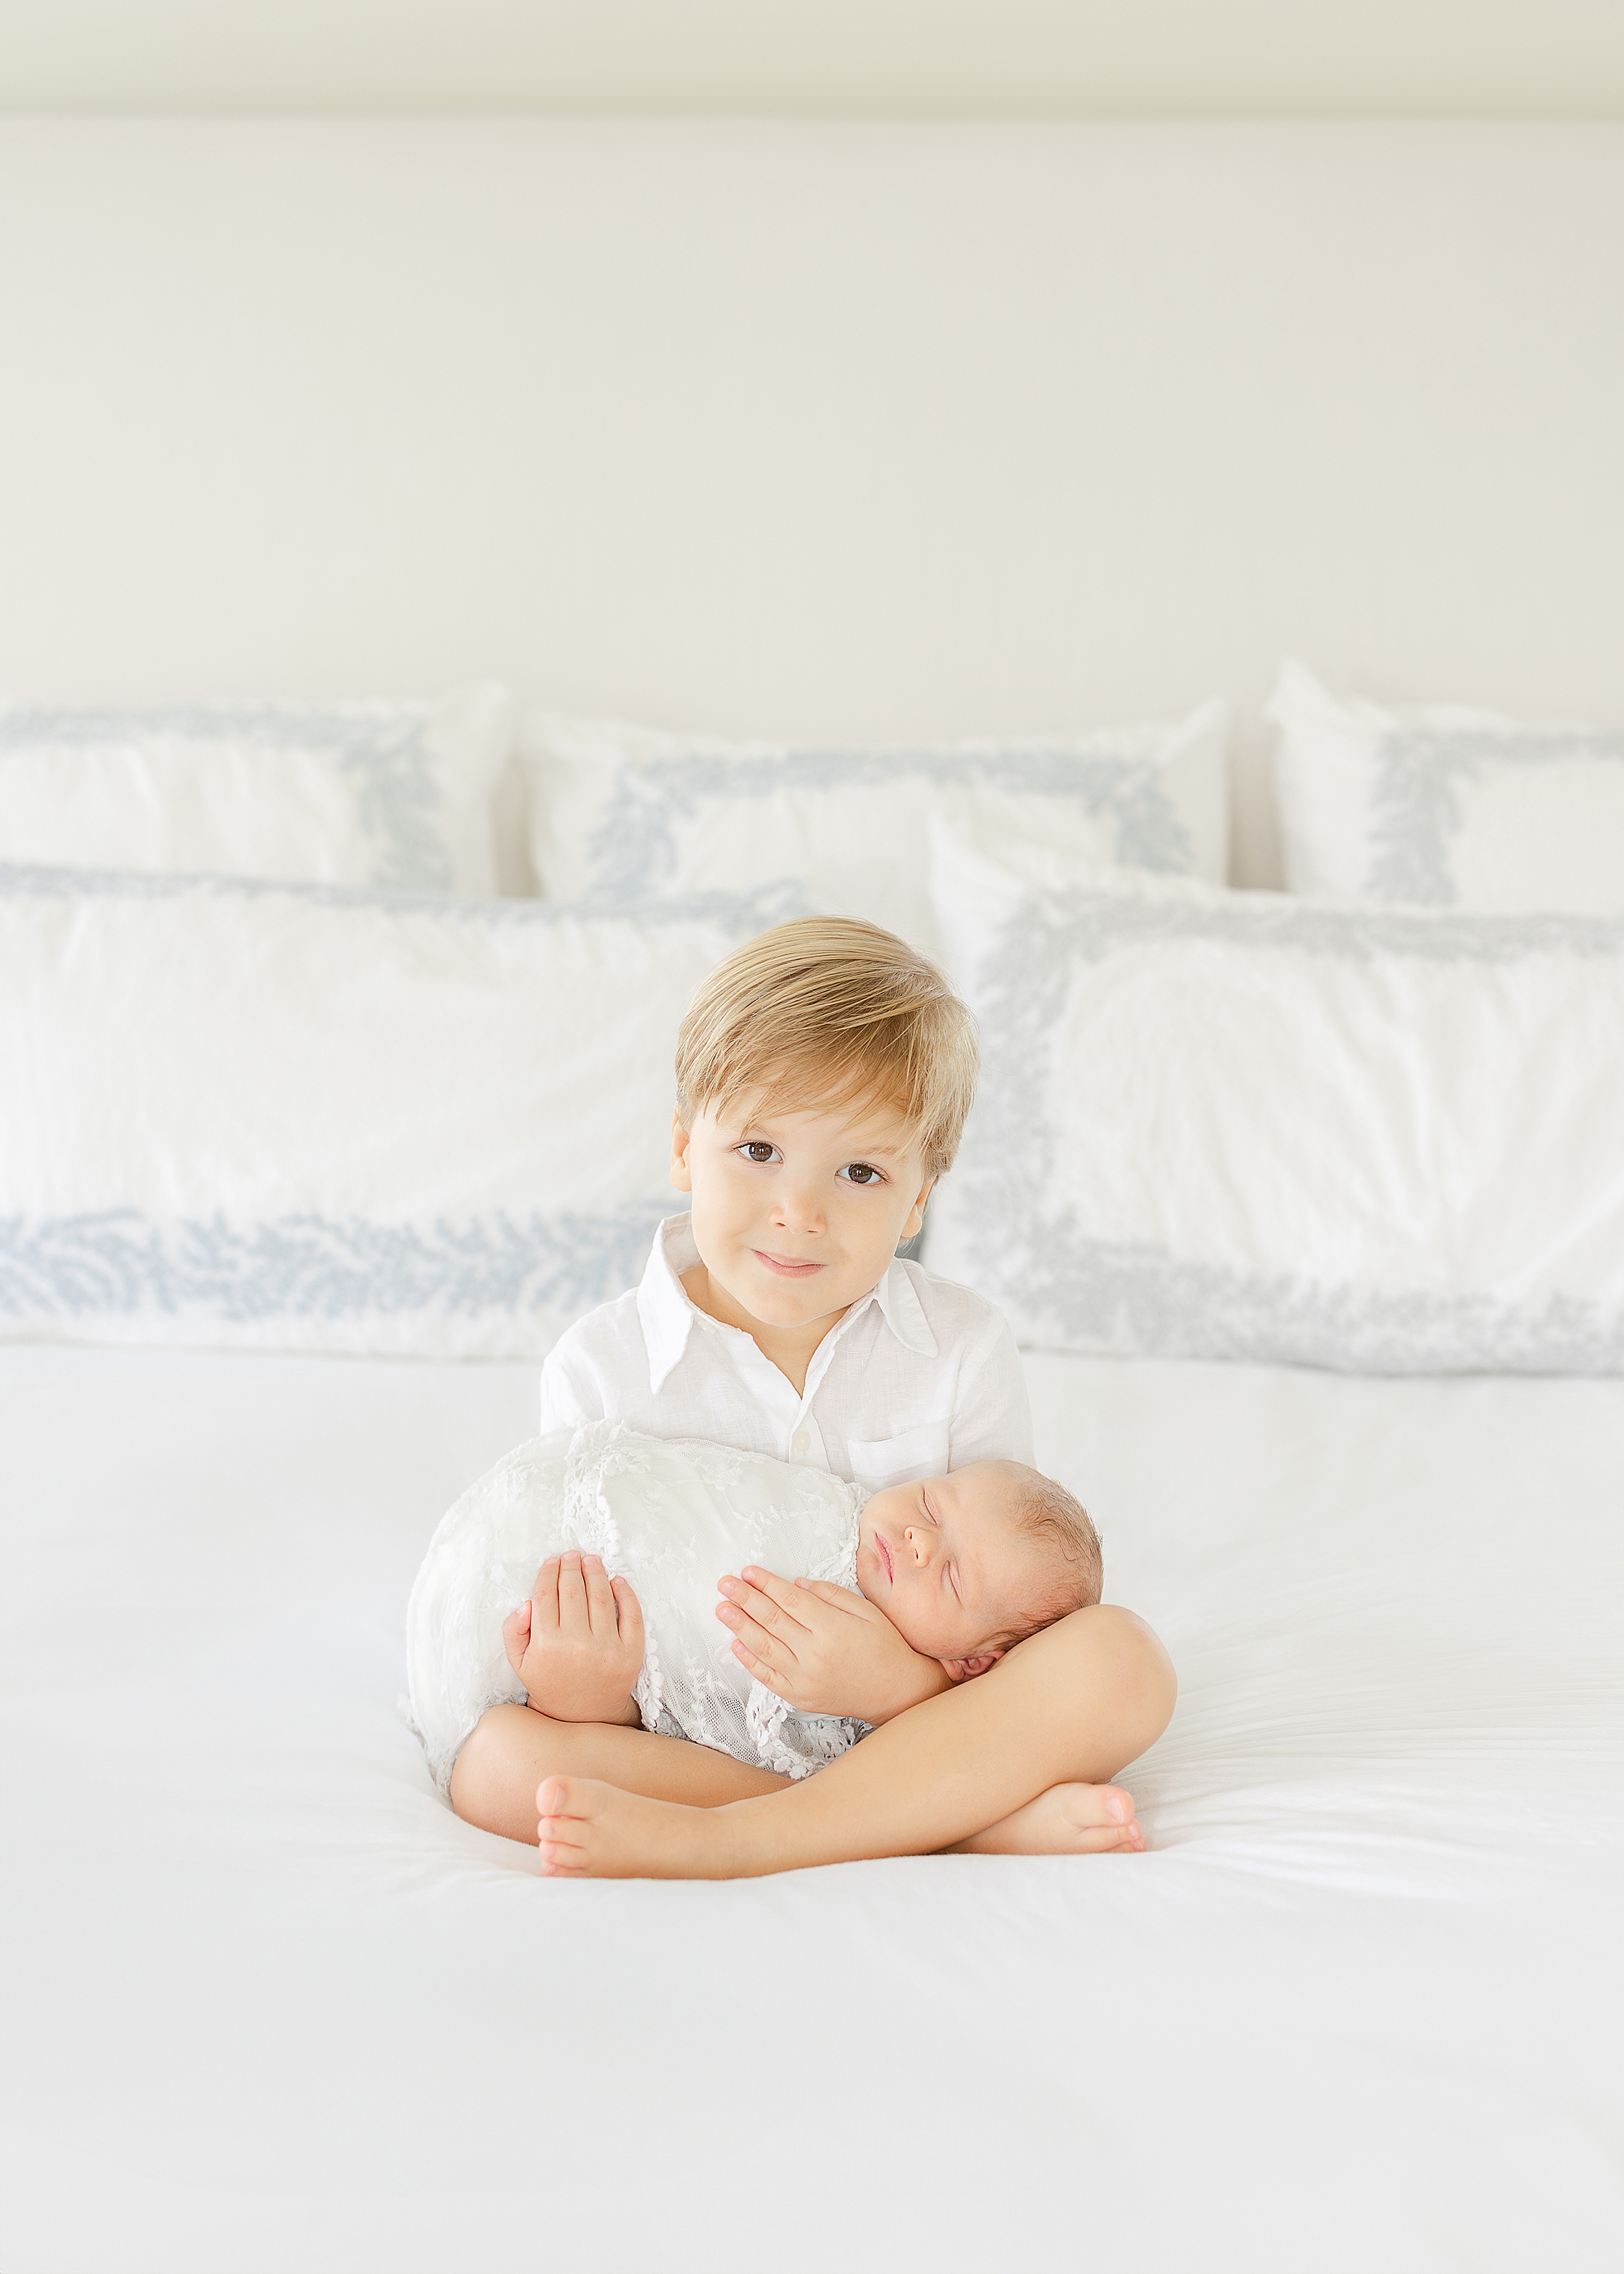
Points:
[(916, 1541)]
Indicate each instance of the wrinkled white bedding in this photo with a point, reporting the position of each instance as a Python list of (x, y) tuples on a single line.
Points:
[(268, 2005)]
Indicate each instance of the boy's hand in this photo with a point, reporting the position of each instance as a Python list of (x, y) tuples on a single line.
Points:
[(577, 1645), (823, 1649)]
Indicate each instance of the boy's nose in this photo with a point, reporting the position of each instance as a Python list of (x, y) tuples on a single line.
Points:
[(798, 1211), (918, 1543)]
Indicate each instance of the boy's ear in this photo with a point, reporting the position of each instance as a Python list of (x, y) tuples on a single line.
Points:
[(916, 1214), (966, 1670), (680, 1143)]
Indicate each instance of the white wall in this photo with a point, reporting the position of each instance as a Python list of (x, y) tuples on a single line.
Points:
[(979, 58), (820, 429)]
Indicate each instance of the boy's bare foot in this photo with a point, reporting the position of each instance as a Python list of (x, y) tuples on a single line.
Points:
[(593, 1831), (1067, 1819)]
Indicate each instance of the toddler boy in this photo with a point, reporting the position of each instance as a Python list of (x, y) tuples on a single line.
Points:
[(824, 1074)]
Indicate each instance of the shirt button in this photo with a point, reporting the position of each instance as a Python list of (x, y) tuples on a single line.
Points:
[(800, 1442)]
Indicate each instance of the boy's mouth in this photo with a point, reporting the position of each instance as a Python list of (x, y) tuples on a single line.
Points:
[(883, 1553), (786, 1266)]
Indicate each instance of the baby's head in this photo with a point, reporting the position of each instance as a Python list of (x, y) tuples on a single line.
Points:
[(824, 1074), (965, 1566)]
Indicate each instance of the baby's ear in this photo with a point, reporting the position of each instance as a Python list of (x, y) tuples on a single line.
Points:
[(966, 1670)]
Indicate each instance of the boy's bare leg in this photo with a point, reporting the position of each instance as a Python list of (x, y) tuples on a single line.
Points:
[(514, 1748), (1070, 1706), (494, 1783)]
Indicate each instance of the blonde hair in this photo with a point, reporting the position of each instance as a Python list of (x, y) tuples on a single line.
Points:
[(1046, 1511), (831, 1011)]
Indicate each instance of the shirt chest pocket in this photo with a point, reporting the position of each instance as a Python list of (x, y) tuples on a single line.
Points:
[(877, 1462)]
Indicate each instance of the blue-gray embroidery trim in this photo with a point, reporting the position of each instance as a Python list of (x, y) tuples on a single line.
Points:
[(633, 850), (120, 1264), (383, 756), (739, 916), (1098, 1294), (1417, 808)]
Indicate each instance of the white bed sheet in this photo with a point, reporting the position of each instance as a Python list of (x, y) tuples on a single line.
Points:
[(268, 2005)]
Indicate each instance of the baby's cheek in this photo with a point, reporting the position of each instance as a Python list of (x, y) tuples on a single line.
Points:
[(903, 1627), (913, 1634), (940, 1637)]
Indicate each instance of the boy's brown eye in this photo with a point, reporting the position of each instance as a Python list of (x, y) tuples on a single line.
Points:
[(860, 1172), (761, 1154)]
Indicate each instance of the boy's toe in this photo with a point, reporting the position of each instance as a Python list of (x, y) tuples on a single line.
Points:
[(552, 1796), (1100, 1804)]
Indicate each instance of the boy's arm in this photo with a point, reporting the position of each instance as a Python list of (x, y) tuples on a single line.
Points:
[(577, 1644)]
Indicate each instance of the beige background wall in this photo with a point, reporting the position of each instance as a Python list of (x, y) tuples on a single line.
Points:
[(866, 430), (981, 58)]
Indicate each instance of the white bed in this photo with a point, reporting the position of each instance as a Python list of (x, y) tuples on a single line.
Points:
[(847, 433), (270, 2004)]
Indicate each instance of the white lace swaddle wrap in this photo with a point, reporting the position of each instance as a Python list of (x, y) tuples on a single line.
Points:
[(671, 1515)]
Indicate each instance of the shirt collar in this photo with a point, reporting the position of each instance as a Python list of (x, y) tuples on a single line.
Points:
[(664, 1310), (668, 1315), (904, 1313)]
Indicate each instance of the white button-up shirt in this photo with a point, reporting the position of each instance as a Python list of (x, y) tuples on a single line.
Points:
[(919, 1377)]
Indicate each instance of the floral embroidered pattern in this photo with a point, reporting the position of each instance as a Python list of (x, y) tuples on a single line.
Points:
[(1094, 1293), (635, 853), (120, 1263), (739, 914), (1416, 806), (383, 756)]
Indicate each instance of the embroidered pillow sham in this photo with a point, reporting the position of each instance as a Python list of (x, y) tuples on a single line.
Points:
[(1232, 1125), (391, 794), (276, 1118), (623, 814), (1446, 808)]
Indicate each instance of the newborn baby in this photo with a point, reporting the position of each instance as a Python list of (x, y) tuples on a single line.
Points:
[(963, 1566)]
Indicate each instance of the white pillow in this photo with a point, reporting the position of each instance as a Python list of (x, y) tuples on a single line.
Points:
[(1233, 1126), (1446, 808), (278, 1119), (621, 814), (364, 793)]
